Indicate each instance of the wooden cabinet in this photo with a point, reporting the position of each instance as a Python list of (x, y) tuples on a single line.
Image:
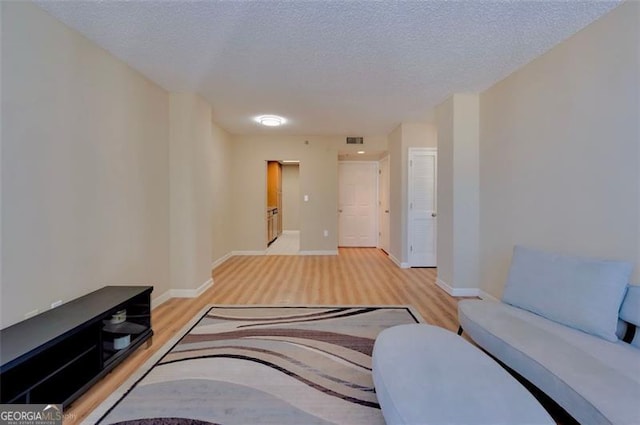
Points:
[(271, 226), (274, 184), (274, 194), (54, 357)]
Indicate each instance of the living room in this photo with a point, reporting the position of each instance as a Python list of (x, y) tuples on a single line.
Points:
[(112, 177)]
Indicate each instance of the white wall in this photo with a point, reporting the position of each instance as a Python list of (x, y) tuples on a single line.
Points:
[(466, 192), (318, 179), (458, 193), (1, 134), (192, 159), (396, 197), (559, 142), (106, 178), (403, 137), (445, 231), (290, 197), (219, 164), (85, 189)]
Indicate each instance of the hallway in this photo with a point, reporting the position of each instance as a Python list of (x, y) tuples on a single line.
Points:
[(288, 243)]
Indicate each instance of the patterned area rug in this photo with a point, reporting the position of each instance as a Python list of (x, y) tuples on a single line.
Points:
[(262, 365)]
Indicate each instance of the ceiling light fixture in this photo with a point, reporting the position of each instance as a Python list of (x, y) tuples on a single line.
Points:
[(291, 161), (270, 120), (360, 152)]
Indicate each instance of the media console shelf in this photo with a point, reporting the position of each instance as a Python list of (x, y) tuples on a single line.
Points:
[(54, 357)]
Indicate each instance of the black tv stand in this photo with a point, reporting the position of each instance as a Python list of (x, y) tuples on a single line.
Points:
[(54, 357)]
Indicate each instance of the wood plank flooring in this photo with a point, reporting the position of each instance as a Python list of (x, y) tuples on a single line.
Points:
[(356, 276)]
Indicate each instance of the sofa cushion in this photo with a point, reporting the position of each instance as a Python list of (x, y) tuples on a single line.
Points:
[(630, 311), (596, 381), (581, 293)]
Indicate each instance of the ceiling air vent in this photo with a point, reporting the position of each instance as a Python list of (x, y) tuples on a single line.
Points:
[(355, 140)]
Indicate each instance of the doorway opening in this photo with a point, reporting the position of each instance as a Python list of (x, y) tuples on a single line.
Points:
[(283, 207)]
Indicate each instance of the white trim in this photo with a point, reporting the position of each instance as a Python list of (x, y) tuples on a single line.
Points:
[(181, 293), (487, 296), (191, 293), (398, 263), (444, 286), (221, 260), (242, 253), (161, 299), (327, 252), (466, 292), (291, 232), (202, 288), (458, 292)]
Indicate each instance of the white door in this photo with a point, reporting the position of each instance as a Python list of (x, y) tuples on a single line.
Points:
[(357, 201), (383, 202), (422, 207)]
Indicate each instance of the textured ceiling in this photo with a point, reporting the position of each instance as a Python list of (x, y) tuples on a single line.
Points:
[(330, 67)]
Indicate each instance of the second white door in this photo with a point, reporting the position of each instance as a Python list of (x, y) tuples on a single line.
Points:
[(357, 204), (422, 207)]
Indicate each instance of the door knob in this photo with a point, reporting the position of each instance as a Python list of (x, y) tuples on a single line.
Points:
[(387, 211), (433, 214), (339, 210)]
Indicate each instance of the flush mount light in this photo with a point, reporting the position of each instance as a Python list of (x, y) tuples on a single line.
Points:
[(270, 120), (360, 152)]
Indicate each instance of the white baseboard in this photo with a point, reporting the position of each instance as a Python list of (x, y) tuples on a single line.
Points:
[(327, 252), (444, 286), (458, 292), (191, 293), (240, 253), (202, 288), (221, 260), (487, 296), (161, 299), (398, 262), (180, 293)]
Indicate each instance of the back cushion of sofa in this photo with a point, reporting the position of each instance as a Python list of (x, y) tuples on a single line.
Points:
[(630, 311), (581, 293)]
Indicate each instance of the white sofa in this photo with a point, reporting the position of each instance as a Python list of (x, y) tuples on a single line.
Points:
[(559, 327)]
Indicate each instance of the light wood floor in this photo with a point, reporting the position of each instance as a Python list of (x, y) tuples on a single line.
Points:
[(356, 276)]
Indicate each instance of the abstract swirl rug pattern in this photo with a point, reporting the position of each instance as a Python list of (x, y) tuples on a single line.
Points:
[(266, 365)]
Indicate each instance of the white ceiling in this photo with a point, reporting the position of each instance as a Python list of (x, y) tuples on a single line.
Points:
[(330, 67)]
